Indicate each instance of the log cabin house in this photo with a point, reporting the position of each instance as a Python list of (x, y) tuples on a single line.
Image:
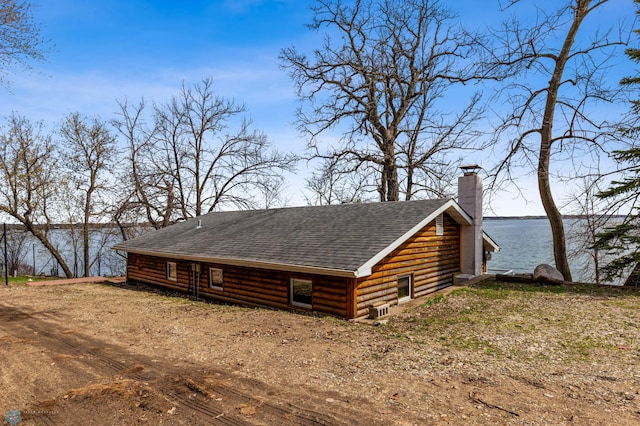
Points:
[(350, 260)]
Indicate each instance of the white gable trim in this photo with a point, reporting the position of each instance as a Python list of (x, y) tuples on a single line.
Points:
[(451, 207), (489, 243)]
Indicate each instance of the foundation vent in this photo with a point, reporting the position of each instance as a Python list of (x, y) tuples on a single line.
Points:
[(378, 311)]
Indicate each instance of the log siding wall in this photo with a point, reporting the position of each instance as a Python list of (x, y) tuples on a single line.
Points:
[(250, 286), (430, 260)]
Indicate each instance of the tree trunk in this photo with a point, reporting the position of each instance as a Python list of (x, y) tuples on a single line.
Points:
[(555, 218), (596, 262), (546, 141), (85, 234), (409, 191), (54, 252), (393, 188), (390, 174)]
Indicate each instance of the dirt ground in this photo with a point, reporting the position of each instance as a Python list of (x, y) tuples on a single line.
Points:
[(96, 354)]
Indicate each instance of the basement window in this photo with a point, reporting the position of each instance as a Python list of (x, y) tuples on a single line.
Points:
[(440, 225), (215, 278), (301, 293), (404, 288), (172, 271)]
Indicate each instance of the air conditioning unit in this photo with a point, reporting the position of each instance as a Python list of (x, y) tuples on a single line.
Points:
[(378, 311)]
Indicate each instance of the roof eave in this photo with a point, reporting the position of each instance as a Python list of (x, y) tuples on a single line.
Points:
[(303, 269), (490, 243)]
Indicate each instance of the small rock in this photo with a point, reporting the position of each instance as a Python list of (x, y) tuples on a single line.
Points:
[(246, 410), (172, 411)]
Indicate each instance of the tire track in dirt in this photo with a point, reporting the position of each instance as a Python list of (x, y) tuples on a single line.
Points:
[(237, 401), (294, 413)]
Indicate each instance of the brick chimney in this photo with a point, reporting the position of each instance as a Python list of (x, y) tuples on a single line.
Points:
[(470, 199)]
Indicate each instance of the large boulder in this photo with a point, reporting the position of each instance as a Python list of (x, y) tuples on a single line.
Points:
[(547, 274)]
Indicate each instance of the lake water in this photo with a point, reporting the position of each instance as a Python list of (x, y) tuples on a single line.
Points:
[(524, 244), (106, 262)]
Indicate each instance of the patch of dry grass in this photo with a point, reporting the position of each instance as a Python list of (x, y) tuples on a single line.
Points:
[(524, 324)]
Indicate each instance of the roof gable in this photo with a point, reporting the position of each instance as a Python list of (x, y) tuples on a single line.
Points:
[(451, 207), (342, 240)]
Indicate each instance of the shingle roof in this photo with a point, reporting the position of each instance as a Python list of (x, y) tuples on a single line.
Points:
[(339, 238)]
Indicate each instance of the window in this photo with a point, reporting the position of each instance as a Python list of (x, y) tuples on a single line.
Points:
[(215, 278), (301, 291), (172, 271), (404, 288), (439, 225)]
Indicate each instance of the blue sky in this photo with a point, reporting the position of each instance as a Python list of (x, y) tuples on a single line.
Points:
[(105, 50), (112, 49)]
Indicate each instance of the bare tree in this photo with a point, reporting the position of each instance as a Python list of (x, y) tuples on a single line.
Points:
[(145, 190), (16, 249), (90, 153), (339, 183), (199, 154), (380, 78), (622, 241), (212, 163), (557, 81), (20, 39), (29, 180), (71, 212), (592, 215)]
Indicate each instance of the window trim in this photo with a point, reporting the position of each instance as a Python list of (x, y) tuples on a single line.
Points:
[(410, 296), (292, 281), (216, 286), (175, 270)]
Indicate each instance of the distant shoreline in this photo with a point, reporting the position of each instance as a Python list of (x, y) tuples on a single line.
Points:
[(568, 216), (512, 217)]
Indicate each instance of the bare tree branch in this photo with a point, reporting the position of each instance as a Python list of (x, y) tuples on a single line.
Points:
[(554, 77), (379, 78), (20, 40), (199, 155), (29, 182)]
